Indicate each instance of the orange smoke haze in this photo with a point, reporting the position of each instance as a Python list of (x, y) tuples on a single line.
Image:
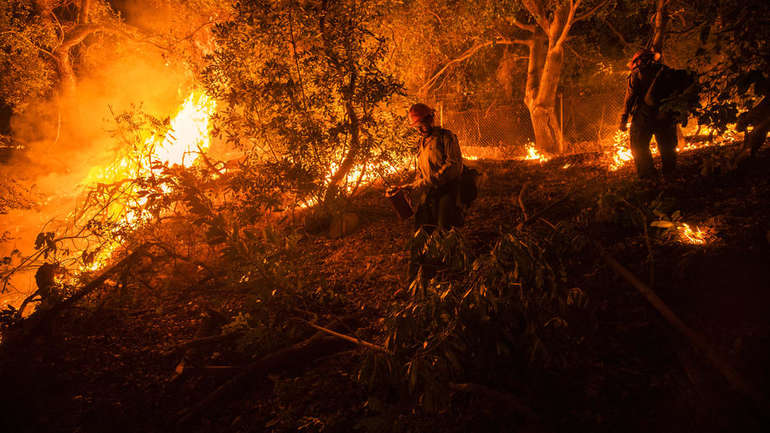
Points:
[(64, 144)]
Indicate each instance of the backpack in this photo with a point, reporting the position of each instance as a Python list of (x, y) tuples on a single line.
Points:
[(469, 188), (675, 92)]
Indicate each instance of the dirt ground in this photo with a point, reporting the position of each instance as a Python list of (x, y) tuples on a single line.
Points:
[(112, 367)]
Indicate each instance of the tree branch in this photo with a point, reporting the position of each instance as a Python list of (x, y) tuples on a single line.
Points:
[(616, 33), (587, 14), (27, 40), (85, 6), (660, 26), (573, 7), (468, 54), (535, 8), (348, 338), (526, 27)]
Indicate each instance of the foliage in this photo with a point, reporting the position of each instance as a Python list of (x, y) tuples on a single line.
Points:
[(304, 89), (733, 57), (485, 321), (26, 43)]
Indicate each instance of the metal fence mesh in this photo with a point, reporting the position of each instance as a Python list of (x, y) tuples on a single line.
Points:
[(588, 119)]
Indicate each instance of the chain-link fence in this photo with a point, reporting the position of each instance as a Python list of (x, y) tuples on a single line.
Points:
[(587, 120)]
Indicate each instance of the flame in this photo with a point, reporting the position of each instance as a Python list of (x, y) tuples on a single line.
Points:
[(533, 154), (186, 138), (690, 236), (620, 151)]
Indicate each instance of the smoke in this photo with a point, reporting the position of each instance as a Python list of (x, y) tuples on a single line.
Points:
[(65, 137)]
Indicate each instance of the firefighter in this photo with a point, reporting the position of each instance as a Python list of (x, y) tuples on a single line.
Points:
[(439, 167), (759, 118), (646, 118)]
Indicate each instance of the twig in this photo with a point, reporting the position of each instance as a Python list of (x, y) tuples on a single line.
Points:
[(354, 340), (521, 199), (541, 212)]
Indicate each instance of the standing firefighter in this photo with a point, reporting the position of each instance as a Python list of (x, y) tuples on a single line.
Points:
[(439, 167), (648, 85), (759, 118)]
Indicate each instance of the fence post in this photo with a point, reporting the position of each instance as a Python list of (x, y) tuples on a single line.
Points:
[(441, 113), (561, 123)]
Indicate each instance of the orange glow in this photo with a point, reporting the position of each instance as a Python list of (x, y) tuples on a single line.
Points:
[(620, 151), (690, 236), (533, 154), (182, 143)]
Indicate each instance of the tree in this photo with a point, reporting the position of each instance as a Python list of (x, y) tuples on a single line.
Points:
[(732, 56), (42, 42), (304, 87), (544, 33)]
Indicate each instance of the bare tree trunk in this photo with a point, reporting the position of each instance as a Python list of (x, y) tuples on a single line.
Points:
[(67, 81), (85, 6), (545, 121), (350, 158), (543, 78), (660, 26), (537, 52)]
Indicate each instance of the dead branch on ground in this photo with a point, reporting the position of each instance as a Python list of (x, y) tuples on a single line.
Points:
[(735, 379), (521, 199), (302, 352), (32, 326)]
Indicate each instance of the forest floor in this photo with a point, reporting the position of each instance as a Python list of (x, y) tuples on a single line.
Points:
[(115, 364)]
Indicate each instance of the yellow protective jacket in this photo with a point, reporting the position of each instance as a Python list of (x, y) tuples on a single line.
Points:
[(439, 160)]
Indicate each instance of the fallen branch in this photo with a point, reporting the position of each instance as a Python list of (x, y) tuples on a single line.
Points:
[(728, 372), (541, 212), (725, 369), (315, 346), (353, 340), (521, 199), (32, 326), (203, 341)]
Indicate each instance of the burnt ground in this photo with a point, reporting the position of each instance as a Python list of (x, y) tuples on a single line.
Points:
[(109, 364)]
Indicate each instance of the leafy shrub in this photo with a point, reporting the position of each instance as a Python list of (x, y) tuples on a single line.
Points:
[(485, 321)]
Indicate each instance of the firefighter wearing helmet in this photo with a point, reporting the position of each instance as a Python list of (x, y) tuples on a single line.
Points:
[(439, 166), (646, 117)]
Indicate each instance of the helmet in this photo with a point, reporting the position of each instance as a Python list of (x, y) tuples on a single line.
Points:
[(642, 57), (420, 112)]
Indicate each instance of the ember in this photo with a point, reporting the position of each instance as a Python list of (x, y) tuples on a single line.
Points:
[(690, 236)]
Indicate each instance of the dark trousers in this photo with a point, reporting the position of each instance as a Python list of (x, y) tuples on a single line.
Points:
[(643, 127), (439, 209), (756, 138)]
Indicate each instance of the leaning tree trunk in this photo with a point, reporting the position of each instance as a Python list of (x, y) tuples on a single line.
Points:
[(543, 73), (660, 26), (545, 122), (554, 27), (350, 158)]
